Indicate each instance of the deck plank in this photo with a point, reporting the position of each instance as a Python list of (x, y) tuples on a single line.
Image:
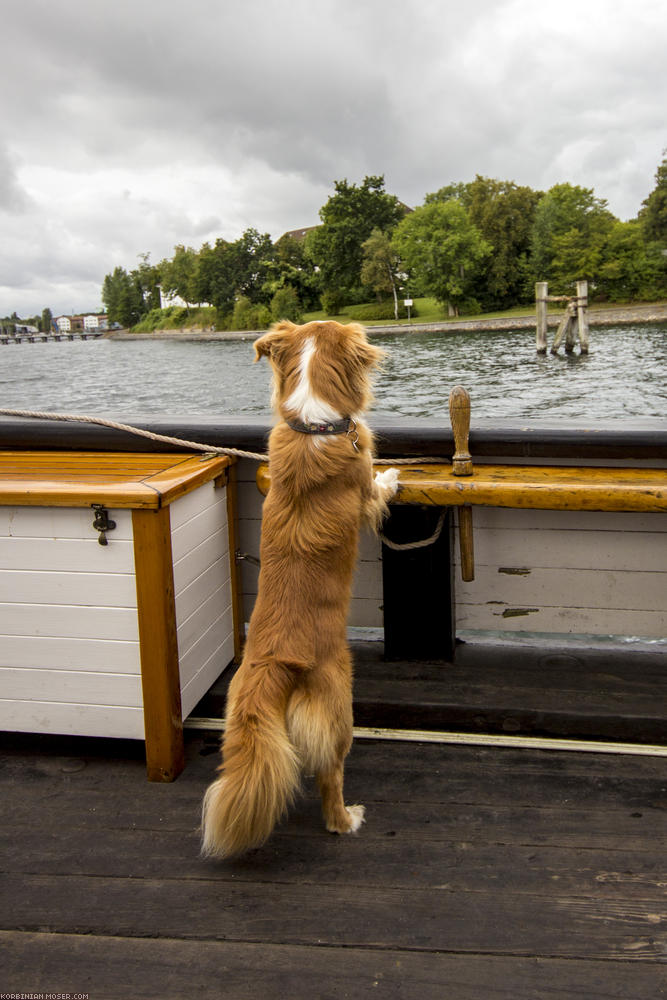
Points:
[(479, 872), (114, 968)]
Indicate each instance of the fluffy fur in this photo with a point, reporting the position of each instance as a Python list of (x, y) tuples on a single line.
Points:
[(289, 707)]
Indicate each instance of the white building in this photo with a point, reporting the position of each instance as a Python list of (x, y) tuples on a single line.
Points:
[(95, 323)]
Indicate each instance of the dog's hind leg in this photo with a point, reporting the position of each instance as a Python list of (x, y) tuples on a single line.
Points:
[(338, 818), (319, 720)]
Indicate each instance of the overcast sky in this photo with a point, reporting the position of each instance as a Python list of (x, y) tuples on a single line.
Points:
[(131, 126)]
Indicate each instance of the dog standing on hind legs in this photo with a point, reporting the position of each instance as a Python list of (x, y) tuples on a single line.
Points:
[(289, 706)]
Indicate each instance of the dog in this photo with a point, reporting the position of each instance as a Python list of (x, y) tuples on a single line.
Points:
[(289, 705)]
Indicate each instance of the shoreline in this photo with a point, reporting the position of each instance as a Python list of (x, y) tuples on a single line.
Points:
[(613, 316)]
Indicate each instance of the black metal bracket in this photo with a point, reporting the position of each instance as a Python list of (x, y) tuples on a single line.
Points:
[(102, 522)]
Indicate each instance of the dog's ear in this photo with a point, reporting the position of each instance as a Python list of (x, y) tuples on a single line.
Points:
[(270, 343), (365, 354)]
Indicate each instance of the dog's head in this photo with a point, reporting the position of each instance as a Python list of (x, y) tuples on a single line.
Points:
[(321, 370)]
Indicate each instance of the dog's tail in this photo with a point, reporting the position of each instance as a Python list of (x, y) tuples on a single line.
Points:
[(260, 768)]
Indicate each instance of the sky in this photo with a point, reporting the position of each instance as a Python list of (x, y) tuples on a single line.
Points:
[(133, 126)]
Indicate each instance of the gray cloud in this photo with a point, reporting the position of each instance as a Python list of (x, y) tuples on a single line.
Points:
[(133, 127)]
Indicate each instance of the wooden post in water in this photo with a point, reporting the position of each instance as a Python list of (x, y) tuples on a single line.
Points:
[(565, 330), (459, 413), (541, 292), (572, 328), (582, 315)]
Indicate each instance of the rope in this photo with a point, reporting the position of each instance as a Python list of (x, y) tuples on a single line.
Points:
[(209, 450), (402, 546)]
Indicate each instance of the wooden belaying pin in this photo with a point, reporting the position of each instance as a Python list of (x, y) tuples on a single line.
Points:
[(459, 414)]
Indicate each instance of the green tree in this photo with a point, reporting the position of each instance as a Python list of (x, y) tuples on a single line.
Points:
[(444, 250), (653, 215), (632, 268), (381, 266), (46, 321), (568, 236), (504, 213), (123, 298), (285, 305), (177, 275), (457, 191), (253, 254), (291, 266), (148, 277), (226, 271), (348, 219)]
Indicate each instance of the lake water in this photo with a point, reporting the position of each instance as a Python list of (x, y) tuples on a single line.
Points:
[(625, 375)]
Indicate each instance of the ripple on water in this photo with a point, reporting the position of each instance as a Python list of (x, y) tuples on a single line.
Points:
[(625, 375)]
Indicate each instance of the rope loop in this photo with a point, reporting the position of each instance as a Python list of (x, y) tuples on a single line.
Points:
[(422, 543)]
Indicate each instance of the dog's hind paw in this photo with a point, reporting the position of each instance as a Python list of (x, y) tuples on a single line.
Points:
[(387, 481), (357, 815)]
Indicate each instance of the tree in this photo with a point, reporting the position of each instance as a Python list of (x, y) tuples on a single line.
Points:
[(177, 275), (569, 232), (446, 252), (504, 213), (292, 266), (252, 256), (148, 278), (349, 217), (122, 297), (632, 268), (381, 266), (46, 321), (285, 305), (653, 215), (457, 191)]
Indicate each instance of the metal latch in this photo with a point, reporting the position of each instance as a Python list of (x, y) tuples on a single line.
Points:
[(102, 522)]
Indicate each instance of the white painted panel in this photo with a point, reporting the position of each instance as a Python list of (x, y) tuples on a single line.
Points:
[(209, 672), (72, 720), (565, 548), (207, 522), (76, 687), (217, 605), (581, 520), (573, 621), (567, 588), (46, 652), (188, 506), (59, 620), (60, 522), (207, 643), (191, 565), (102, 590), (63, 554), (191, 597)]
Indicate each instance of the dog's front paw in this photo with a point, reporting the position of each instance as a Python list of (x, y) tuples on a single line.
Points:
[(387, 482)]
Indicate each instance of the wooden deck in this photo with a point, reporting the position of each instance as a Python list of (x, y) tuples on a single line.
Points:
[(504, 873)]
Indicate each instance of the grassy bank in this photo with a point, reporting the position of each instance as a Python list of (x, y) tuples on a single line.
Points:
[(427, 309)]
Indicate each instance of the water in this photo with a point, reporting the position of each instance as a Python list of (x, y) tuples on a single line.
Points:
[(625, 375)]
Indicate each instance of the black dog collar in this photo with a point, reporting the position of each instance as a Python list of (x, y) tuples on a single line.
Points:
[(344, 426)]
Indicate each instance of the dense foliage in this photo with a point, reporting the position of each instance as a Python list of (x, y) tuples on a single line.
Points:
[(473, 246)]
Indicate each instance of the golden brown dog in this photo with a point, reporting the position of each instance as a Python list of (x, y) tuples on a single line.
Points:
[(289, 707)]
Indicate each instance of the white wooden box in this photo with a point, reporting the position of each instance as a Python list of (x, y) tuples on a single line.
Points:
[(117, 639)]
